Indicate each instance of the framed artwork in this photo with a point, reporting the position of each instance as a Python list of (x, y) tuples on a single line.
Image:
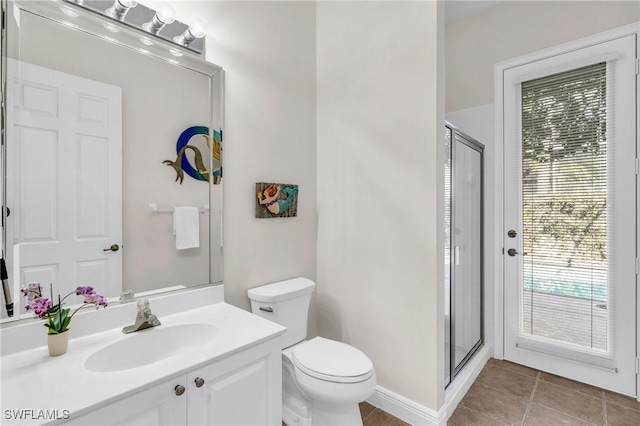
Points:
[(276, 200)]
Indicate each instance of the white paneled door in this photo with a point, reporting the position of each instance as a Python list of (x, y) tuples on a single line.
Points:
[(64, 153), (570, 214)]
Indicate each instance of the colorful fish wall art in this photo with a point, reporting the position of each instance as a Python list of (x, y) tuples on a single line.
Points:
[(276, 200), (199, 169)]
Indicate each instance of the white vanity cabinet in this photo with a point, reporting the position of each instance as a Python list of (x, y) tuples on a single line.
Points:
[(244, 388), (158, 405)]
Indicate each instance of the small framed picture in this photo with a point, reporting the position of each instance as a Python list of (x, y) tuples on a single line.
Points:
[(276, 200)]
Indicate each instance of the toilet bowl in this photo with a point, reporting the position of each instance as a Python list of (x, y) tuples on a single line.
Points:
[(322, 380)]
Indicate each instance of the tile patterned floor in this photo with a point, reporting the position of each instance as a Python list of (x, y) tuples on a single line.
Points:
[(372, 416), (510, 394)]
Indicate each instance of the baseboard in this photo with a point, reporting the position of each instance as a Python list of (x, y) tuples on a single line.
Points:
[(405, 409), (417, 414)]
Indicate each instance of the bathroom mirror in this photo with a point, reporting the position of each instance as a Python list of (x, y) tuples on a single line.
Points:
[(106, 130)]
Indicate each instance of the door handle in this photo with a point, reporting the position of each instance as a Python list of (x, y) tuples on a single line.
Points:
[(512, 252), (114, 247)]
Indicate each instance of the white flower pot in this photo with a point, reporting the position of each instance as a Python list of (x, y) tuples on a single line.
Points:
[(58, 343)]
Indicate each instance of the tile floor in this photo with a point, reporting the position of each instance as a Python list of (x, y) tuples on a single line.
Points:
[(510, 394), (507, 393), (372, 416)]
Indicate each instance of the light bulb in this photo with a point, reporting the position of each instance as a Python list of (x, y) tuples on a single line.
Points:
[(195, 30), (120, 8), (166, 14)]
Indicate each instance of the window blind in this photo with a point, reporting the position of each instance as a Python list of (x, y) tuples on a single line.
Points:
[(565, 292)]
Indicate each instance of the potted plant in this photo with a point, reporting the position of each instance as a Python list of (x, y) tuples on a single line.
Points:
[(58, 318)]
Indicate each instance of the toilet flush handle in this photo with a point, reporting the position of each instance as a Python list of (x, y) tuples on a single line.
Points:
[(266, 308)]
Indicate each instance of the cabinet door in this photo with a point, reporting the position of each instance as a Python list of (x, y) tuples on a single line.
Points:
[(158, 405), (245, 389)]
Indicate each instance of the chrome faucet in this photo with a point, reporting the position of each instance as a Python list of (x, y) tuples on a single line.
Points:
[(144, 319)]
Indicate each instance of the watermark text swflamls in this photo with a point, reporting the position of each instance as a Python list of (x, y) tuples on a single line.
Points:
[(35, 414)]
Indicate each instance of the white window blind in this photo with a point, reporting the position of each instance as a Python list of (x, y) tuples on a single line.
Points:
[(565, 293)]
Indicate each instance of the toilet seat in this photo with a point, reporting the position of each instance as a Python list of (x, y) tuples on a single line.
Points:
[(332, 361)]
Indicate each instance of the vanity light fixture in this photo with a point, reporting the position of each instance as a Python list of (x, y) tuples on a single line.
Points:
[(195, 30), (160, 22), (164, 15), (120, 8)]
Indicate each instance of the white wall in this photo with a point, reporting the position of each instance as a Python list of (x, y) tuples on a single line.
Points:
[(380, 189), (515, 28), (268, 52)]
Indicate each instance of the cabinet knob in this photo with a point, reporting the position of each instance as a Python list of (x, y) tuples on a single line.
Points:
[(199, 382), (179, 389)]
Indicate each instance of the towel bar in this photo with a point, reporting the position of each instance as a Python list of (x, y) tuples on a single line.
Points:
[(153, 209)]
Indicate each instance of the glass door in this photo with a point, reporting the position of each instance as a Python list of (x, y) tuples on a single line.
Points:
[(463, 250), (570, 215)]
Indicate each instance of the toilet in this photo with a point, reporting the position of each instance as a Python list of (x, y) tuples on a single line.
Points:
[(322, 380)]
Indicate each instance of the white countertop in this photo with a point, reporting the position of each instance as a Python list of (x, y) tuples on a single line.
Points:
[(32, 380)]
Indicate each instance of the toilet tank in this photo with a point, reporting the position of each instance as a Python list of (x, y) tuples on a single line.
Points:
[(286, 303)]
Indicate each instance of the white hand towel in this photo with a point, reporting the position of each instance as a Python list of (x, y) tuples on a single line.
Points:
[(186, 227)]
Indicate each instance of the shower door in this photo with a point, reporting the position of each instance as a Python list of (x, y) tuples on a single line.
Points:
[(463, 250)]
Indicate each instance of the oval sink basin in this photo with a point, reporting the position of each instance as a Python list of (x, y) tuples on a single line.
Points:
[(152, 345)]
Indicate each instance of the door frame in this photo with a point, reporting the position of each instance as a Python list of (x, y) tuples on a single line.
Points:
[(499, 70)]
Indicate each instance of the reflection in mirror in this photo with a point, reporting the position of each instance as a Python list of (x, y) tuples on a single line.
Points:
[(96, 132)]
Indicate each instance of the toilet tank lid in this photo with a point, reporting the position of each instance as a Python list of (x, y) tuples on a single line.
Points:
[(282, 290)]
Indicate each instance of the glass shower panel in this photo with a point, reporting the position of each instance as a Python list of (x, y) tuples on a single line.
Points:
[(467, 250), (463, 270), (447, 258)]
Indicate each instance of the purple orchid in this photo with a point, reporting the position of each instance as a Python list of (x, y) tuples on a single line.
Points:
[(39, 306), (58, 318), (96, 299), (85, 290), (32, 291)]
